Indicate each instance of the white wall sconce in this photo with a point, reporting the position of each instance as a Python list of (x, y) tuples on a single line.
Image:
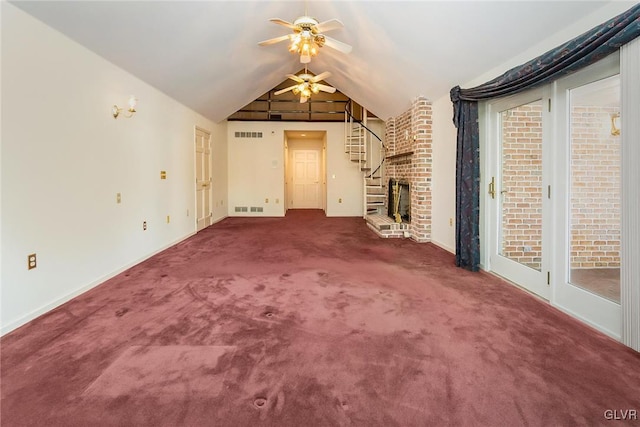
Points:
[(115, 110)]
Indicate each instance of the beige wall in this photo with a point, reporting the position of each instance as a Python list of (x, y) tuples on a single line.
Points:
[(64, 158), (443, 214), (256, 169)]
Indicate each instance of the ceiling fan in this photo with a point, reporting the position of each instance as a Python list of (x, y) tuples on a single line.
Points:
[(307, 84), (307, 37)]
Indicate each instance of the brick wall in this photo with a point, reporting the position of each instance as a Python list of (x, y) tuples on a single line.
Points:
[(409, 143), (595, 189), (522, 181)]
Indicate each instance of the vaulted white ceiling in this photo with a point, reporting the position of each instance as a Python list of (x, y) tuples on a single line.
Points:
[(205, 54)]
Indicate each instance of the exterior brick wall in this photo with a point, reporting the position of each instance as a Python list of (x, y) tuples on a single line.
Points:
[(410, 134), (522, 183), (595, 189)]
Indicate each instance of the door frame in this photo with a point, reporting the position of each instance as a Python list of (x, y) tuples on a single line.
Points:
[(289, 147), (592, 309), (195, 178), (630, 245), (530, 279)]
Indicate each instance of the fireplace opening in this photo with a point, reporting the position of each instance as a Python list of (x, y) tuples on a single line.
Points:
[(399, 200)]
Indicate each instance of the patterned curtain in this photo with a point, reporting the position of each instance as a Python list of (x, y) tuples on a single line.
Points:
[(578, 53)]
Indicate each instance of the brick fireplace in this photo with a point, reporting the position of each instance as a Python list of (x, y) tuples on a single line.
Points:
[(408, 160)]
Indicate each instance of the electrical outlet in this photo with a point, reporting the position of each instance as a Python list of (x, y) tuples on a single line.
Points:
[(450, 222), (266, 200), (277, 200), (163, 174), (168, 219), (31, 261), (144, 225), (118, 198), (340, 200)]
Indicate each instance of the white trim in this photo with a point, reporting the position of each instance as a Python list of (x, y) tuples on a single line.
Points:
[(200, 129), (58, 302), (443, 246), (214, 221), (528, 278), (603, 314), (588, 322), (630, 227)]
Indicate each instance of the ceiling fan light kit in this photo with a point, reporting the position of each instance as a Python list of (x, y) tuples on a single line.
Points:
[(307, 85), (307, 37), (306, 41)]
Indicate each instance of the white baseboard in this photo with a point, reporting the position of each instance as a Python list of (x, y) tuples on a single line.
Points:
[(572, 313), (443, 246), (58, 302)]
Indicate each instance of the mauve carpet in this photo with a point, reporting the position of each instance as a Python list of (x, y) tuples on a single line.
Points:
[(310, 321)]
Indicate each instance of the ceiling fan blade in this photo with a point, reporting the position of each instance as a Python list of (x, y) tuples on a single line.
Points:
[(331, 24), (295, 78), (274, 40), (326, 88), (303, 99), (283, 23), (320, 77), (337, 45), (281, 91)]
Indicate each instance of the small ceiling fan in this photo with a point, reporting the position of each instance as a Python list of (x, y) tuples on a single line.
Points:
[(307, 84), (307, 37)]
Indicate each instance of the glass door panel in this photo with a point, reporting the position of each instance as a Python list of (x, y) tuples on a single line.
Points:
[(521, 190), (594, 201)]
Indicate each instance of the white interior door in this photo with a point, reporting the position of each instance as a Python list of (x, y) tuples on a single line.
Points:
[(588, 152), (305, 179), (517, 193), (203, 179)]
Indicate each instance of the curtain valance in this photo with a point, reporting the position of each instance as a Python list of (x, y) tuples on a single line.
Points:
[(577, 53)]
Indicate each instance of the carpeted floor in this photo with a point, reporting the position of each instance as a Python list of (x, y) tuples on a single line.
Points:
[(310, 321)]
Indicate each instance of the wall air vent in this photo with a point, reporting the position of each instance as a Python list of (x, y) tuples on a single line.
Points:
[(248, 134), (241, 209), (257, 209)]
